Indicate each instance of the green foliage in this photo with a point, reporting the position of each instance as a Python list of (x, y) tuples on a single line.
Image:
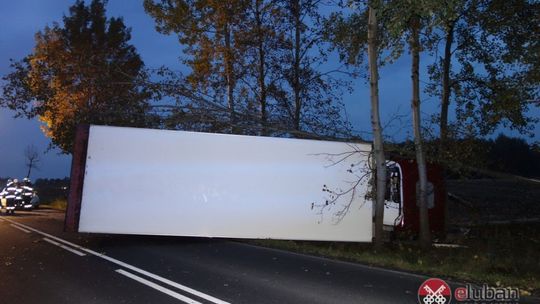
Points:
[(247, 64), (494, 55), (348, 35), (203, 27), (59, 204), (495, 45), (82, 72)]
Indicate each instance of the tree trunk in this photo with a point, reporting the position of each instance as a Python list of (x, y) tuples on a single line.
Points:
[(378, 150), (229, 77), (30, 165), (296, 64), (425, 235), (445, 103), (446, 91), (262, 73)]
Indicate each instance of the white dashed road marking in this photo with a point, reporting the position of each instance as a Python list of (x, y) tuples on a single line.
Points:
[(77, 252), (156, 277)]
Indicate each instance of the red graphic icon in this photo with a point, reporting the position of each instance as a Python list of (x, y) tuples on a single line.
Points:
[(434, 291)]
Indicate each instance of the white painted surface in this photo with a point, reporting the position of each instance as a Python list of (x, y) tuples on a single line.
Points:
[(142, 181)]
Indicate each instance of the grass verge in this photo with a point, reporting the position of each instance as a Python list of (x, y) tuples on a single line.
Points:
[(59, 204)]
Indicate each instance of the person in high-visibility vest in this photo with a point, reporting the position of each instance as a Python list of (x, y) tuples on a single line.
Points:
[(12, 193), (18, 194), (27, 193), (3, 194)]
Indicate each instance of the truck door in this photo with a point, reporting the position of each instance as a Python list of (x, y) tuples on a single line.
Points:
[(393, 204)]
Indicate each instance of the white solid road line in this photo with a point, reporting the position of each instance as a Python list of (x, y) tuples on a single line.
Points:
[(77, 252), (20, 228), (128, 266), (157, 287)]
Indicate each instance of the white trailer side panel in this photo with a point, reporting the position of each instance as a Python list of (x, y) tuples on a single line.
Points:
[(156, 182)]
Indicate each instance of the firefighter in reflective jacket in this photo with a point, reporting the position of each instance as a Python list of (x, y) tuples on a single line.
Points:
[(4, 193), (11, 195), (27, 193)]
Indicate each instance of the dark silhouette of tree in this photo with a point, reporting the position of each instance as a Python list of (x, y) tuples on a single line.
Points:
[(513, 155), (31, 155)]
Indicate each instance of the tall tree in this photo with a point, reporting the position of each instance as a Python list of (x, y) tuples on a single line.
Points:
[(496, 79), (262, 38), (354, 36), (314, 103), (378, 149), (422, 195), (83, 72), (261, 34), (296, 15), (495, 44), (503, 70), (406, 20), (268, 56), (449, 13)]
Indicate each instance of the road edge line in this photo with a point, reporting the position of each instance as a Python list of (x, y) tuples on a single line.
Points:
[(77, 252), (128, 266), (157, 287), (20, 228)]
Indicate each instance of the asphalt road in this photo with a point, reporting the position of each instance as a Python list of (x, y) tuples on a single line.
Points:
[(39, 263)]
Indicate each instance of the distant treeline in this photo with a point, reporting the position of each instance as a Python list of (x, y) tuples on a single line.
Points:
[(52, 189), (474, 157), (513, 155)]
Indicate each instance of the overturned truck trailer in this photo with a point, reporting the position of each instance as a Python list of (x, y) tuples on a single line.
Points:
[(159, 182)]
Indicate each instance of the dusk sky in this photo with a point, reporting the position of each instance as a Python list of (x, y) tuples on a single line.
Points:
[(21, 19)]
